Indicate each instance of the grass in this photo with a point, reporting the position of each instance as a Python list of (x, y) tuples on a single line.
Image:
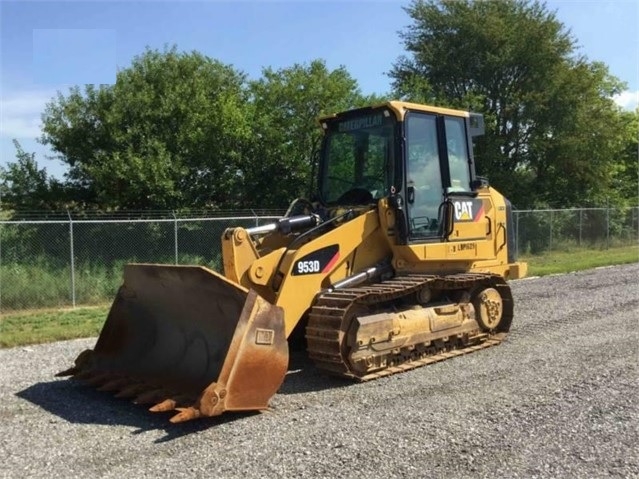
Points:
[(46, 325), (43, 326), (555, 262), (41, 284)]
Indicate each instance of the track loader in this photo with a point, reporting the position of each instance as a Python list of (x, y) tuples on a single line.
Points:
[(401, 260)]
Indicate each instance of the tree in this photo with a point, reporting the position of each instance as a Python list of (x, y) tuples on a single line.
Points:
[(625, 178), (23, 185), (182, 130), (578, 146), (287, 104), (552, 127), (165, 135)]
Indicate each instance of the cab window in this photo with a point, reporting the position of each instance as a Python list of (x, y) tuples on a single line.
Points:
[(457, 155), (424, 191), (358, 158)]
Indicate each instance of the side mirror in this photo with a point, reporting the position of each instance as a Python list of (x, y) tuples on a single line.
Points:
[(479, 183)]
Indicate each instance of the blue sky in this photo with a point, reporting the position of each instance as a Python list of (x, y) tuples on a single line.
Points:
[(48, 46)]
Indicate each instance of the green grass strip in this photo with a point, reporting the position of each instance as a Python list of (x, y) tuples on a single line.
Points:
[(34, 327), (557, 262)]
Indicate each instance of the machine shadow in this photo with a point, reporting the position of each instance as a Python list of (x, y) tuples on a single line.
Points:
[(78, 403)]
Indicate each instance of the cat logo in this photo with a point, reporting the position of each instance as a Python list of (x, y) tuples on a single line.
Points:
[(468, 210), (463, 210)]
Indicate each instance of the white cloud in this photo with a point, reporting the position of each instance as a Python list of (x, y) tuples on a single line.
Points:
[(20, 113), (628, 100)]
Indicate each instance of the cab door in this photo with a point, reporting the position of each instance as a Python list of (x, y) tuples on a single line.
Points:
[(470, 213), (439, 171), (424, 187)]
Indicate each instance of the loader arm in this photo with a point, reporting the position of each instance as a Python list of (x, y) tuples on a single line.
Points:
[(291, 277)]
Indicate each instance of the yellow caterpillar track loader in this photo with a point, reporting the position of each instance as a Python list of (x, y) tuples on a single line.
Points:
[(400, 261)]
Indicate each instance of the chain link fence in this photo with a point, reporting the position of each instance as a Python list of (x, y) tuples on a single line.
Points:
[(547, 230), (68, 260)]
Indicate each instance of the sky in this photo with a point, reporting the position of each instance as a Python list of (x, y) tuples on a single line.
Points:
[(48, 46)]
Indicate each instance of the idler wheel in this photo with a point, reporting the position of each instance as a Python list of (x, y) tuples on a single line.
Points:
[(488, 308)]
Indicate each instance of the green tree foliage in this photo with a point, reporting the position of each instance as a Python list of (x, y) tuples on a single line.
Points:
[(578, 150), (625, 178), (554, 134), (287, 104), (180, 130), (23, 184), (163, 136)]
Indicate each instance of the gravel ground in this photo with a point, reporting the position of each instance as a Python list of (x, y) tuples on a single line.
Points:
[(557, 399)]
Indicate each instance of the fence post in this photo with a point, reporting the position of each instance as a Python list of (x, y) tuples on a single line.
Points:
[(257, 220), (72, 258), (607, 224), (581, 219), (517, 238), (175, 236), (551, 219)]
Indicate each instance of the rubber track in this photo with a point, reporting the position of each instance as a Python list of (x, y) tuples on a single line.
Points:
[(329, 321)]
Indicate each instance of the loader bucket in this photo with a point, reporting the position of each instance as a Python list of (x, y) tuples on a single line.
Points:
[(185, 338)]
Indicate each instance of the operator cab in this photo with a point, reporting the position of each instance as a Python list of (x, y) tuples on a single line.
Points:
[(417, 156)]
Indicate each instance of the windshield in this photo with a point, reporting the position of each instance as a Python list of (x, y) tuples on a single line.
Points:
[(358, 158)]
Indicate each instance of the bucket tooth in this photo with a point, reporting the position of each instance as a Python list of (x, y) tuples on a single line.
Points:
[(72, 371), (98, 379), (186, 414), (172, 402), (151, 397), (81, 362), (132, 390), (115, 384), (164, 406)]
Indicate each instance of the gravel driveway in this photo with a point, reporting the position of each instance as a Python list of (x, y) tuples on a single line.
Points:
[(557, 399)]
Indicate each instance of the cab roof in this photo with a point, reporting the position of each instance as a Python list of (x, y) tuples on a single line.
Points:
[(400, 108)]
